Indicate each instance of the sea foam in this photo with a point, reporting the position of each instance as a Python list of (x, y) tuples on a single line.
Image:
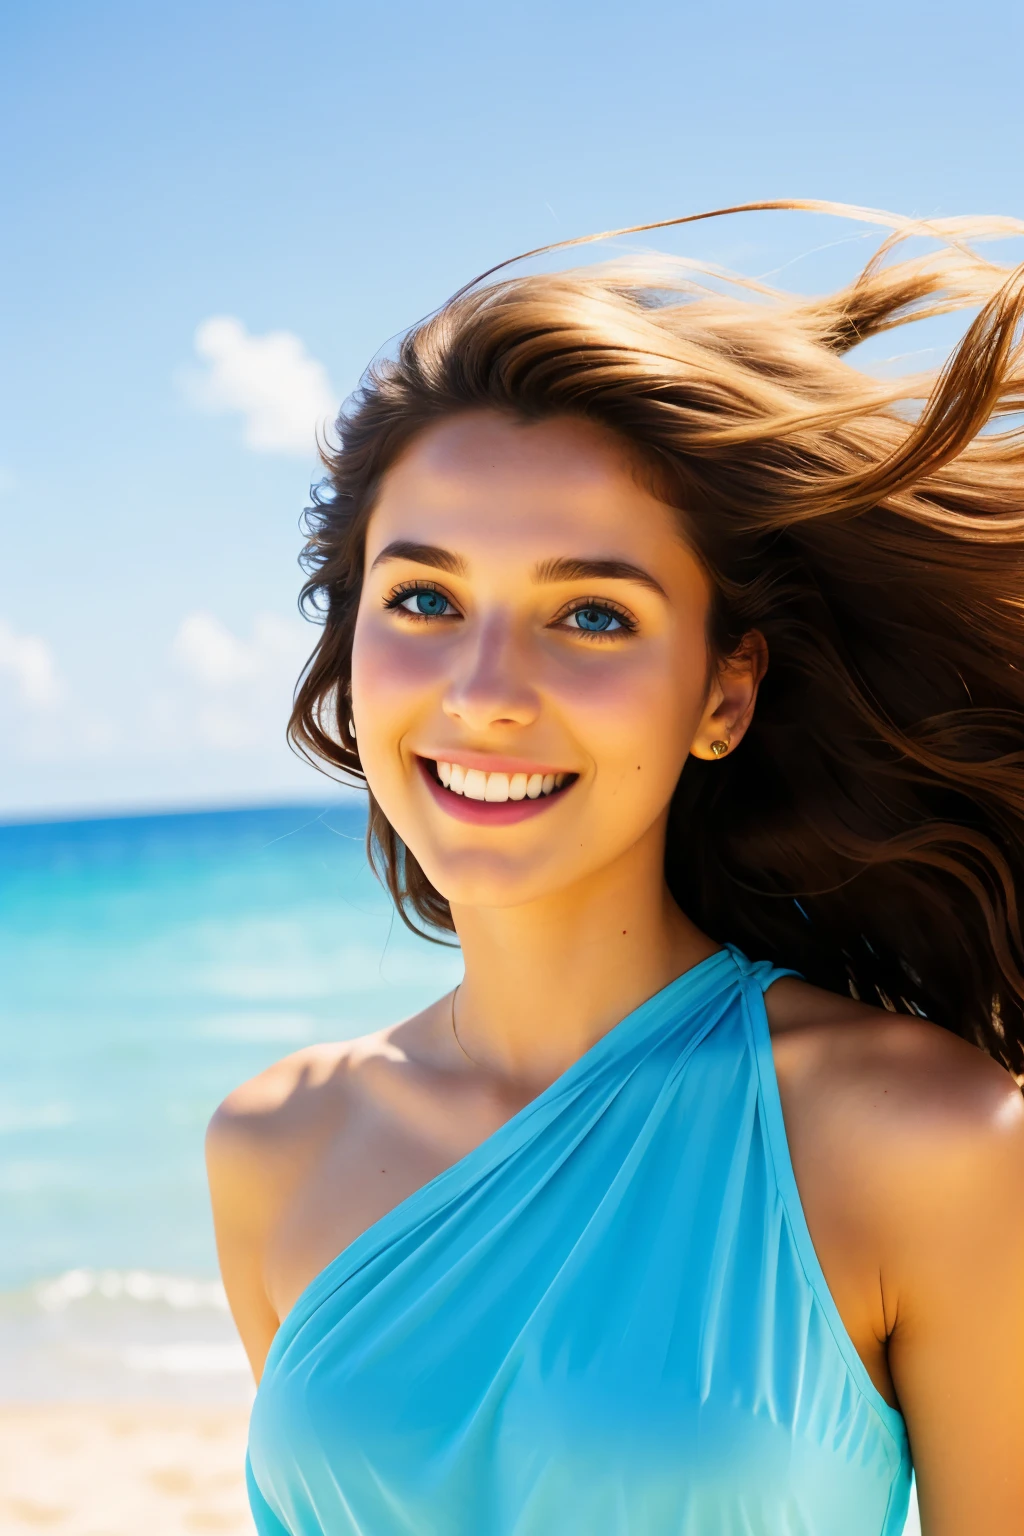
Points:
[(178, 1291)]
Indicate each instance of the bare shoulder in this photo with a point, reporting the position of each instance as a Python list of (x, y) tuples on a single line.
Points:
[(891, 1064), (271, 1124), (905, 1106), (282, 1101), (275, 1144)]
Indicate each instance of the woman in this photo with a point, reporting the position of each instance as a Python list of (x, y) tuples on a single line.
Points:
[(682, 662)]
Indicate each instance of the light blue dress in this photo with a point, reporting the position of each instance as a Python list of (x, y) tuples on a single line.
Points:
[(608, 1319)]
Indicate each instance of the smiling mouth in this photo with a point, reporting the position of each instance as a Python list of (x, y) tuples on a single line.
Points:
[(495, 788)]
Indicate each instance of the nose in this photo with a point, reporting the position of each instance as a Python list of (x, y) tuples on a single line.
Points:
[(490, 682)]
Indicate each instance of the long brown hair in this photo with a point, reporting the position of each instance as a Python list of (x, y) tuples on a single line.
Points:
[(869, 831)]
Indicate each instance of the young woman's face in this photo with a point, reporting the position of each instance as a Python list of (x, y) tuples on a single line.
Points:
[(529, 668)]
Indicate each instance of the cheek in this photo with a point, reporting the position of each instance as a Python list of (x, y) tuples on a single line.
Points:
[(392, 676), (640, 716)]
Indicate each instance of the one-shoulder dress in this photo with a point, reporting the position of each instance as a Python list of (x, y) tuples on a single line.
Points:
[(608, 1319)]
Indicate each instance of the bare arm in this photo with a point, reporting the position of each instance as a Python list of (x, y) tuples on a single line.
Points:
[(260, 1145), (908, 1146), (240, 1222), (956, 1348)]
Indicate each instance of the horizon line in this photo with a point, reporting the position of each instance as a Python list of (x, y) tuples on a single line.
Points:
[(73, 816)]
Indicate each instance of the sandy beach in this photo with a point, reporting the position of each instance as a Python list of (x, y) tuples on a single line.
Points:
[(147, 1469)]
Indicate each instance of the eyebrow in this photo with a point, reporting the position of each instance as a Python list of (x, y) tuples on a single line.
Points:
[(568, 569), (564, 568), (422, 554)]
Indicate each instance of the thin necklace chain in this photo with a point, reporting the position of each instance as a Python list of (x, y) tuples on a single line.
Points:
[(455, 1032)]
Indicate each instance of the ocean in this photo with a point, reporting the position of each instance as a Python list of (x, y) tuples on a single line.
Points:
[(149, 964)]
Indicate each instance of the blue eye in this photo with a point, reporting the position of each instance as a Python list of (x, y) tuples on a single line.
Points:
[(430, 604), (595, 620), (423, 603)]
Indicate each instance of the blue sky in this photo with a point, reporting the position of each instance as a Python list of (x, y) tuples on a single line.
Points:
[(216, 213)]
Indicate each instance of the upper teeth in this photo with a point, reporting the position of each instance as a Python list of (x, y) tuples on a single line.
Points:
[(477, 785)]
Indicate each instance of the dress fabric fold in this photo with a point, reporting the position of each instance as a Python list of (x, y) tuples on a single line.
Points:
[(608, 1319)]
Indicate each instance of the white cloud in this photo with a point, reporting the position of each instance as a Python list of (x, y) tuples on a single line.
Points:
[(241, 688), (281, 392), (216, 658), (194, 717), (29, 663)]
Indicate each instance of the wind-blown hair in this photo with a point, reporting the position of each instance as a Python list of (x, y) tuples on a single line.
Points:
[(869, 829)]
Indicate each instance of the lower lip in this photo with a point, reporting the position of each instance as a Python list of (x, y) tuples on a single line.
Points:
[(486, 813)]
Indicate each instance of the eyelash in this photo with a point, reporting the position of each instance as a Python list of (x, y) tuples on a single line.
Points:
[(406, 589), (600, 605)]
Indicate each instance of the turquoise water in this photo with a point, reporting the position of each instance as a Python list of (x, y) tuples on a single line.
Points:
[(147, 965)]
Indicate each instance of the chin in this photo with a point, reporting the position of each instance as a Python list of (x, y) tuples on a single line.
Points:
[(490, 886), (477, 880)]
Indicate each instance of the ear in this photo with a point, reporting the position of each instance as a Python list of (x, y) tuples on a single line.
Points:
[(732, 695)]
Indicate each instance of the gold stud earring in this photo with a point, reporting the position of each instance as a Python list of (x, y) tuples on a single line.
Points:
[(720, 748)]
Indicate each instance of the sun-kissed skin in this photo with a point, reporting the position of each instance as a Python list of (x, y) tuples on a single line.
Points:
[(908, 1143)]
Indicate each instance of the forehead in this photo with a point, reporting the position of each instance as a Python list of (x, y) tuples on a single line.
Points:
[(483, 481)]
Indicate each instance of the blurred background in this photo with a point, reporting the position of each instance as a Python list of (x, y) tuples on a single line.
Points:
[(214, 215)]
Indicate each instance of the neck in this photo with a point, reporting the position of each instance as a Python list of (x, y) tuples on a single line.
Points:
[(546, 979)]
